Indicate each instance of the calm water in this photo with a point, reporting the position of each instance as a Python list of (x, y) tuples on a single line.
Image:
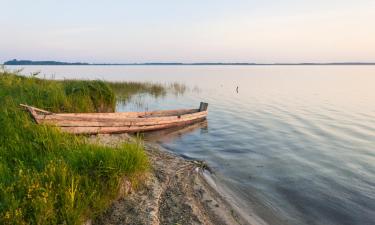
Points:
[(296, 143)]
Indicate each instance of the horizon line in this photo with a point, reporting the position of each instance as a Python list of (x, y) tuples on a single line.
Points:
[(51, 62)]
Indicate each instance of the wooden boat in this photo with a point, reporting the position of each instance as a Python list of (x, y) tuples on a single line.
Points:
[(119, 122)]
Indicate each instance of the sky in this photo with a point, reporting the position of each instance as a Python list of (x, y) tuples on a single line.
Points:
[(122, 31)]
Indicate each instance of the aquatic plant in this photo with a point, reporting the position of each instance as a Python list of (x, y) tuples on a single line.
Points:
[(125, 90)]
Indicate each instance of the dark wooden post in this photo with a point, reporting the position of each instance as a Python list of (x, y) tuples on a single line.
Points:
[(203, 106)]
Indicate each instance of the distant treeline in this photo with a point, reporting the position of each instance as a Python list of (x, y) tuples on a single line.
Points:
[(29, 62)]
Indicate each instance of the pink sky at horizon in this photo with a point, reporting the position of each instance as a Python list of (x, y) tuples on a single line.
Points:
[(167, 31)]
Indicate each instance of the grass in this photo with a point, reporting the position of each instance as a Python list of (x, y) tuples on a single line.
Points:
[(126, 90), (50, 177)]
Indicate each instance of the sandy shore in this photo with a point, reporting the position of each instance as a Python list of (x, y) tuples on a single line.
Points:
[(175, 191)]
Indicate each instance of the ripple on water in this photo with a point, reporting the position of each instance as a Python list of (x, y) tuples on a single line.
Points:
[(296, 143)]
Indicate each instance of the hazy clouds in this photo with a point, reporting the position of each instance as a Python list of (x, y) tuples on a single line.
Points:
[(228, 31)]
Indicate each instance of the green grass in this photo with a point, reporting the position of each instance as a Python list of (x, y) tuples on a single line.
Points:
[(125, 90), (50, 177)]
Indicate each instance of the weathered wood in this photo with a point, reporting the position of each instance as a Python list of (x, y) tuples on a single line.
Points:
[(133, 129), (94, 123), (203, 107), (30, 108), (130, 114), (124, 122), (111, 116)]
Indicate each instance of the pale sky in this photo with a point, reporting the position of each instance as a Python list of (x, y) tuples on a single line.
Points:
[(121, 31)]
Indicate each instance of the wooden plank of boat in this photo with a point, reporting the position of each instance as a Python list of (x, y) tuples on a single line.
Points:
[(123, 114), (93, 123), (120, 122), (114, 117), (126, 129), (159, 113)]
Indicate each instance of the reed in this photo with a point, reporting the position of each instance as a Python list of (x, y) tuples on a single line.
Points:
[(126, 90), (50, 177)]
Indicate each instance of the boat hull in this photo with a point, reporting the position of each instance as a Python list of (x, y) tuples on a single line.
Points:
[(127, 129), (126, 122)]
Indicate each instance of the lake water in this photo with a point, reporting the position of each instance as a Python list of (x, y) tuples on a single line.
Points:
[(296, 143)]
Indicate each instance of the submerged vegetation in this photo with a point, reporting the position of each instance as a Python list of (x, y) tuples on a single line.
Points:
[(50, 177)]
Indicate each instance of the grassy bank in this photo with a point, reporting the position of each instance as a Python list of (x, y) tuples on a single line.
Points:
[(50, 177)]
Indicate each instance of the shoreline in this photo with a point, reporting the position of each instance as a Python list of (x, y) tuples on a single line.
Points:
[(175, 191)]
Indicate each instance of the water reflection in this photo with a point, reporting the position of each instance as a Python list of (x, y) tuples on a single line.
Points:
[(171, 134), (297, 140)]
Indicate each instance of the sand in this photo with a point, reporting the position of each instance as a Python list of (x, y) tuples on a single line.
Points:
[(175, 191)]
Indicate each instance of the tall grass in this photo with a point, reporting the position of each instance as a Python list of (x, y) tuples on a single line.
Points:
[(50, 177), (125, 90)]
